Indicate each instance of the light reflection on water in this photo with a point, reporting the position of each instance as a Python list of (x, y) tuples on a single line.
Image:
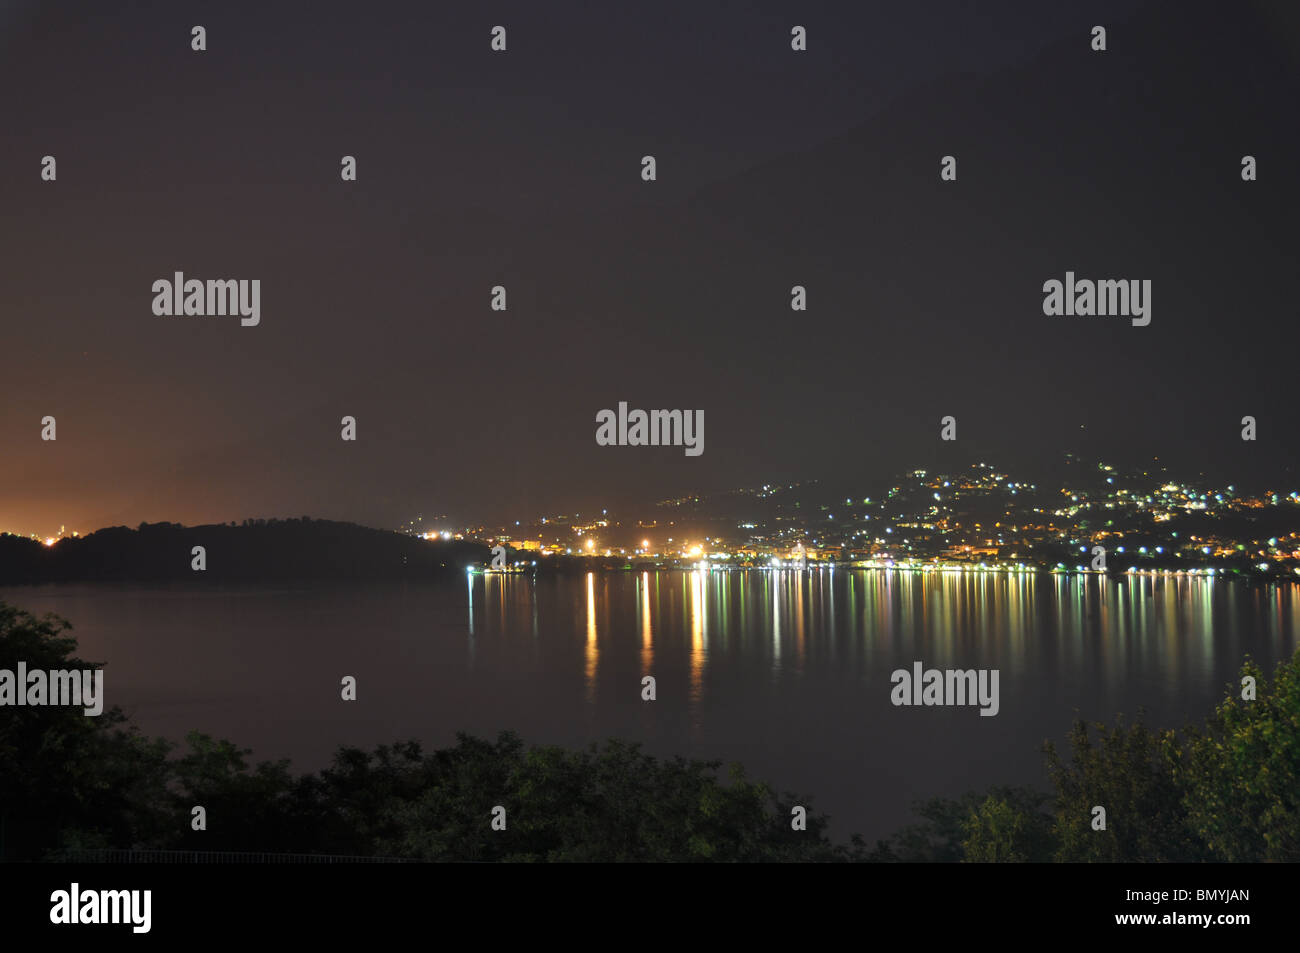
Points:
[(1180, 633), (787, 672)]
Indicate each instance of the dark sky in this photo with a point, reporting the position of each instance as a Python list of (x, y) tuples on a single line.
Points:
[(522, 169)]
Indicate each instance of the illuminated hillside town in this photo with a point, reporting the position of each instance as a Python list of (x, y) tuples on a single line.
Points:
[(980, 519), (977, 520)]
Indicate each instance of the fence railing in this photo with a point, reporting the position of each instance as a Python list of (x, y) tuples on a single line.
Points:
[(209, 857)]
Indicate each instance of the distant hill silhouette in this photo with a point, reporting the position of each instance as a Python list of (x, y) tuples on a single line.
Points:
[(257, 550)]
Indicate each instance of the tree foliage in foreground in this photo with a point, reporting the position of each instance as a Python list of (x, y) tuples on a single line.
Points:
[(1228, 790), (1240, 775)]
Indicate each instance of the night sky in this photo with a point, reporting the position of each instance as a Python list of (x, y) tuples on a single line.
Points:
[(522, 169)]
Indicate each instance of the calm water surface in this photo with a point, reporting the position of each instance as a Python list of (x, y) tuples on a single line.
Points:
[(787, 672)]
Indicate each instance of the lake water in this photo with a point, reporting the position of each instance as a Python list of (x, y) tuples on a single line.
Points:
[(787, 672)]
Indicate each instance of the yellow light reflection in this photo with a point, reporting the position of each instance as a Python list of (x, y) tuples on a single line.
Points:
[(697, 635), (593, 650), (647, 648)]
